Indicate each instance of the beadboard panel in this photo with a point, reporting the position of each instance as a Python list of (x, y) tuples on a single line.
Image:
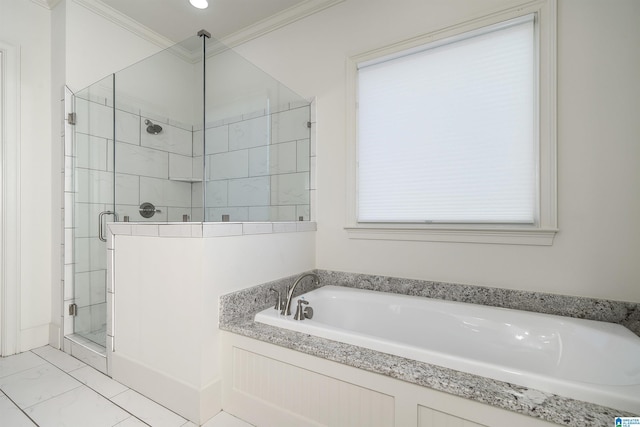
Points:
[(428, 417), (314, 397)]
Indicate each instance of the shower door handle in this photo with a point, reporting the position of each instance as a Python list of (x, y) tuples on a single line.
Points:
[(100, 227)]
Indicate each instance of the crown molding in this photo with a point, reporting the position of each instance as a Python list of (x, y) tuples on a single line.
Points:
[(279, 20), (123, 21), (47, 4)]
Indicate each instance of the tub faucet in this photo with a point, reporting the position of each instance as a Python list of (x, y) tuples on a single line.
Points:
[(286, 310)]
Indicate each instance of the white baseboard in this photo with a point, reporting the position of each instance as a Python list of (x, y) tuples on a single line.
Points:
[(197, 405), (34, 337)]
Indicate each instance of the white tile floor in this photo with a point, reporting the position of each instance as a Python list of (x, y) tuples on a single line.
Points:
[(46, 387)]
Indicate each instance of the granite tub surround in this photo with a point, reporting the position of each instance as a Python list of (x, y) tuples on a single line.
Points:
[(624, 313), (237, 311)]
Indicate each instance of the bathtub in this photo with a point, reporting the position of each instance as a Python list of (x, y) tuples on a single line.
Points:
[(587, 360)]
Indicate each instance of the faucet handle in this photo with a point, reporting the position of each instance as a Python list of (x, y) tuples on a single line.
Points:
[(300, 312)]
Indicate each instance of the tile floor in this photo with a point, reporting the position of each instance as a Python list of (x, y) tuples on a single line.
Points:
[(46, 387)]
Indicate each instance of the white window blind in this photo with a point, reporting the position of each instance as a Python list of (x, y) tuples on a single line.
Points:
[(447, 132)]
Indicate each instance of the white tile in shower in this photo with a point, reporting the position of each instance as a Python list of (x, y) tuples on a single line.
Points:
[(259, 213), (180, 166), (94, 119), (284, 227), (197, 167), (217, 139), (196, 195), (216, 193), (97, 284), (68, 178), (93, 186), (234, 164), (302, 211), (259, 161), (175, 230), (176, 214), (127, 190), (165, 193), (150, 230), (306, 226), (257, 228), (249, 133), (283, 158), (136, 160), (68, 244), (90, 254), (221, 229), (303, 163), (68, 281), (86, 216), (290, 189), (290, 125), (68, 209), (172, 139), (91, 152), (312, 173), (124, 229), (196, 143), (283, 213), (236, 214), (99, 317), (82, 294), (76, 406), (127, 127), (249, 191)]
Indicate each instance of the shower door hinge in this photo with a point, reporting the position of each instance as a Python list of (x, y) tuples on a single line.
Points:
[(71, 118), (73, 309)]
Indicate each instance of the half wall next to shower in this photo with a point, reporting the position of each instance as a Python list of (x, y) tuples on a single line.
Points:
[(194, 133)]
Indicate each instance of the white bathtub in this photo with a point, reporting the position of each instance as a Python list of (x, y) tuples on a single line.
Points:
[(587, 360)]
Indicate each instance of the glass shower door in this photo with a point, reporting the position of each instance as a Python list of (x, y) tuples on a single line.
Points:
[(94, 187)]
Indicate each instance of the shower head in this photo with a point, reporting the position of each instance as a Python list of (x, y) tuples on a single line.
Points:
[(151, 128)]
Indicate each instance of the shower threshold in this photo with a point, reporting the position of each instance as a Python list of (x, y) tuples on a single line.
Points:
[(87, 351)]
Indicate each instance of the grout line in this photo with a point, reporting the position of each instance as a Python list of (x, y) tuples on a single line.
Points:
[(19, 408)]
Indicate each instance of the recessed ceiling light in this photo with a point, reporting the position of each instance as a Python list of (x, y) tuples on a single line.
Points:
[(200, 4)]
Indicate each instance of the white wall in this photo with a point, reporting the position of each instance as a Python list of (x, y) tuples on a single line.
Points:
[(595, 253), (26, 26), (166, 308)]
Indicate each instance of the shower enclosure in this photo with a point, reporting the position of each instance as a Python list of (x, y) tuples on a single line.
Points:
[(194, 133)]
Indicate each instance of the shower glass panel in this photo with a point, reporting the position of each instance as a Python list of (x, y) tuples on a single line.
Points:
[(159, 103), (193, 133), (257, 143), (93, 201)]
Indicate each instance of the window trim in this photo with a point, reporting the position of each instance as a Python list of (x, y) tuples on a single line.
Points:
[(545, 228)]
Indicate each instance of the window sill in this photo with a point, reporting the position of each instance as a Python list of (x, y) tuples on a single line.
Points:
[(503, 236)]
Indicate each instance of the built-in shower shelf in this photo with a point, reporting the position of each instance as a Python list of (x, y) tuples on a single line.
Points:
[(181, 179)]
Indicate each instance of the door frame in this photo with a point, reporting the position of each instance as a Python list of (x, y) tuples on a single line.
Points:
[(9, 199)]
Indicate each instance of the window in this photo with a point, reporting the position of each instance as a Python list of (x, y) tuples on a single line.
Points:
[(450, 136)]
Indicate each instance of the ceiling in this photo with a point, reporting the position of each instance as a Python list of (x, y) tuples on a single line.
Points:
[(177, 19)]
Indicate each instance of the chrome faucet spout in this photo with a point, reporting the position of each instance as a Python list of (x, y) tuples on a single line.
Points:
[(286, 310)]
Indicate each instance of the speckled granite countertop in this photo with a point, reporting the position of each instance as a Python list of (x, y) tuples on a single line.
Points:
[(523, 400)]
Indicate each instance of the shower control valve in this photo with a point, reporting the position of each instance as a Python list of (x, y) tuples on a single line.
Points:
[(147, 210)]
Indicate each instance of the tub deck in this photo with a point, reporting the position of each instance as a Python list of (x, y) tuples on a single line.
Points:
[(581, 359)]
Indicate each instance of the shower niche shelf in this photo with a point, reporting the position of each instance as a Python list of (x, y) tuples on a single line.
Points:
[(184, 179)]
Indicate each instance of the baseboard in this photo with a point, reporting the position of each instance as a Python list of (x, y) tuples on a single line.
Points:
[(34, 337), (184, 399)]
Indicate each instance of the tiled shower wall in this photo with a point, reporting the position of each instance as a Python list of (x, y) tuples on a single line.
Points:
[(259, 166), (251, 177)]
